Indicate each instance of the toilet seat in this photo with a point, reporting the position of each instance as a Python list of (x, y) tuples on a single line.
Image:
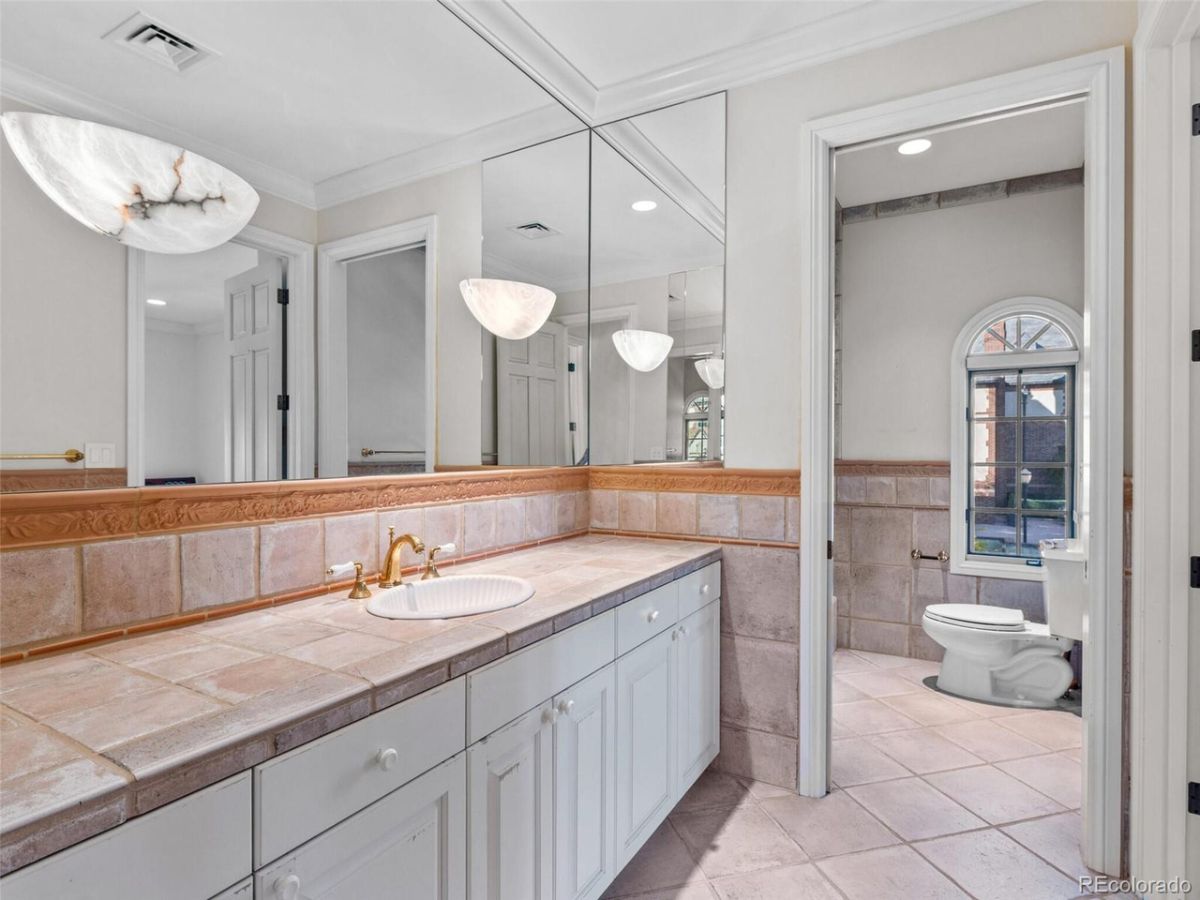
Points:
[(983, 618)]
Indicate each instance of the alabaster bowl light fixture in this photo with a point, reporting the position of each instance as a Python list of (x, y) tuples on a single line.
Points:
[(143, 192), (642, 350), (712, 372), (512, 310)]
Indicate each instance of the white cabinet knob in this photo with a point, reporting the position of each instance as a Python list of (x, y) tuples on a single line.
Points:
[(549, 715), (704, 589), (683, 631), (387, 758), (652, 615), (565, 707), (674, 634), (287, 887)]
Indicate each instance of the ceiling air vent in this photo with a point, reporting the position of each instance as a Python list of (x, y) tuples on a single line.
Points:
[(534, 231), (151, 40)]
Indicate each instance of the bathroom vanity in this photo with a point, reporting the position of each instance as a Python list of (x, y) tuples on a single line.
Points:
[(537, 774)]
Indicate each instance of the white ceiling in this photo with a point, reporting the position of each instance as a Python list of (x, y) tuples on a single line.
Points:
[(1044, 140), (193, 284)]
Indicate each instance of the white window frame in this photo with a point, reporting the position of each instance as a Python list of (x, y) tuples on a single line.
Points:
[(962, 362)]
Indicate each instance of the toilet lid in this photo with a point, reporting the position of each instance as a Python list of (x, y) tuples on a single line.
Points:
[(991, 618)]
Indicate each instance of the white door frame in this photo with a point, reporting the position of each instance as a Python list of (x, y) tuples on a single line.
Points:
[(298, 255), (332, 258), (629, 315), (1100, 77), (1159, 702)]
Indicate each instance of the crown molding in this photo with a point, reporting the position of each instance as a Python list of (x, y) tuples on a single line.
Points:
[(53, 97)]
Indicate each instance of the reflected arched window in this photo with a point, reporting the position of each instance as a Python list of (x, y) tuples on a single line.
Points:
[(696, 427)]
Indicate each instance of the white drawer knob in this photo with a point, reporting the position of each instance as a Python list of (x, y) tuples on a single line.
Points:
[(549, 715), (652, 615), (704, 589), (288, 888), (683, 631), (565, 707), (387, 758)]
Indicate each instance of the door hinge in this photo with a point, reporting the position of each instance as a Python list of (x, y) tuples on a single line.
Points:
[(1195, 119), (1195, 581), (1194, 797), (570, 367), (829, 549), (281, 296), (1196, 345), (570, 426), (283, 402)]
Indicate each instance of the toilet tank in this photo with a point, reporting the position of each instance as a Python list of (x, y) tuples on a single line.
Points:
[(1065, 588)]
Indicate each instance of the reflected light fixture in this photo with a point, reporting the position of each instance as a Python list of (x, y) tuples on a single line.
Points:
[(140, 191), (915, 146), (511, 310), (642, 350), (153, 302), (712, 372), (644, 205)]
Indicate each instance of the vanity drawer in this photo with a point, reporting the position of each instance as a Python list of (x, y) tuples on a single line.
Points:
[(503, 690), (303, 792), (698, 589), (643, 617)]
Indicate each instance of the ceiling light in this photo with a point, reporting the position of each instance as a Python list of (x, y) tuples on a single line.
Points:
[(142, 192), (642, 350), (154, 302), (915, 146), (511, 310), (644, 205), (712, 372)]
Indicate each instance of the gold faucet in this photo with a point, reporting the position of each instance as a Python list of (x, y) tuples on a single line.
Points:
[(431, 570), (390, 575)]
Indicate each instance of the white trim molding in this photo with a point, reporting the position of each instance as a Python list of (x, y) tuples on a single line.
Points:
[(332, 349), (1100, 78), (1164, 535), (962, 562)]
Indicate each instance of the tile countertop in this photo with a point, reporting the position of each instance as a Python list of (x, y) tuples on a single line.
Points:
[(97, 736)]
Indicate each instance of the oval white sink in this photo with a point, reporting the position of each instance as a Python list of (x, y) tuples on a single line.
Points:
[(450, 596)]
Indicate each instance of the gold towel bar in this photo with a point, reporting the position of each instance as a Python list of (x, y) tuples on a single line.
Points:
[(71, 456)]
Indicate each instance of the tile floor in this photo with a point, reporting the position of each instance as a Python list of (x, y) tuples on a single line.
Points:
[(934, 797)]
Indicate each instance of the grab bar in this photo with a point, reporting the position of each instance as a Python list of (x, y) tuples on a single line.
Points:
[(71, 456), (942, 555), (367, 451)]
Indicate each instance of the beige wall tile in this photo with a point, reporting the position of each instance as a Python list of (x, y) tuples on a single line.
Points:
[(880, 592), (879, 637), (635, 510), (939, 586), (408, 520), (880, 489), (352, 539), (676, 513), (720, 515), (444, 525), (931, 533), (922, 646), (40, 595), (510, 521), (760, 685), (841, 533), (129, 581), (770, 758), (881, 535), (479, 526), (760, 592), (763, 518), (912, 491), (218, 566), (939, 491), (851, 489), (539, 517), (604, 509), (582, 509), (291, 556), (792, 513), (564, 512)]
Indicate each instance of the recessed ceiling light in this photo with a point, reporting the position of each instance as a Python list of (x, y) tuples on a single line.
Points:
[(154, 302), (644, 205), (913, 147)]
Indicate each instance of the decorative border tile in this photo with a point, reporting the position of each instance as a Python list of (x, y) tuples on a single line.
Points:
[(696, 479)]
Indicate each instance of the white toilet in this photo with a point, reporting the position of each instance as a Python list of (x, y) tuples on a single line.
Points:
[(993, 654)]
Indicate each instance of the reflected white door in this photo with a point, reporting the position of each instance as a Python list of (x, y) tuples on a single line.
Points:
[(1193, 822), (531, 399), (253, 342)]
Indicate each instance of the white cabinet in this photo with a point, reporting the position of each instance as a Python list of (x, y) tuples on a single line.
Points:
[(511, 785), (646, 751), (411, 845), (585, 743), (698, 708)]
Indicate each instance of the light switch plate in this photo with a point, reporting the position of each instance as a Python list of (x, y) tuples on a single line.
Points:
[(99, 456)]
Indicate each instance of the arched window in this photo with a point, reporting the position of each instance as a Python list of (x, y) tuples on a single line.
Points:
[(1013, 460), (696, 420)]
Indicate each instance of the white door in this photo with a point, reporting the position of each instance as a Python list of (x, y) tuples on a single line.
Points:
[(411, 845), (698, 708), (646, 753), (511, 786), (585, 744), (254, 343), (531, 399)]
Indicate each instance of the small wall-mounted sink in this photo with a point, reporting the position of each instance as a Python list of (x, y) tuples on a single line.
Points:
[(450, 596)]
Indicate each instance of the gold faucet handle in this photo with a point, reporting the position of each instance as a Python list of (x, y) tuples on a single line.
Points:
[(431, 570), (360, 591)]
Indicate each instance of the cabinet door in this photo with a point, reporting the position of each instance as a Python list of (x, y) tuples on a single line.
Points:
[(585, 771), (511, 786), (410, 845), (698, 707), (646, 753)]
